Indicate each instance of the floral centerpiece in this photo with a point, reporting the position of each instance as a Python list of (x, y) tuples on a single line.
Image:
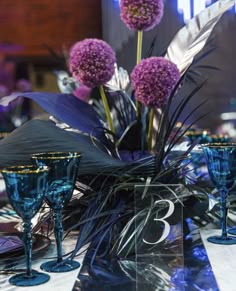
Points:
[(126, 137)]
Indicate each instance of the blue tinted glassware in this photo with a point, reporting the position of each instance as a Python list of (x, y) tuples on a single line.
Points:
[(61, 180), (26, 187), (221, 163)]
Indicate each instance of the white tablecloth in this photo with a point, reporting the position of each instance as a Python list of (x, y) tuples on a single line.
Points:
[(222, 259), (58, 281)]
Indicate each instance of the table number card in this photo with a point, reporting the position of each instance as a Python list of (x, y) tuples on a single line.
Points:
[(159, 237)]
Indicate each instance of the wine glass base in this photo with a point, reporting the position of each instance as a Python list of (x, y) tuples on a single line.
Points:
[(55, 267), (230, 240), (37, 278), (232, 231)]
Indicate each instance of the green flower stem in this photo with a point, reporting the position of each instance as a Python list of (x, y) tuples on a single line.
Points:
[(139, 46), (139, 57), (150, 128), (107, 109)]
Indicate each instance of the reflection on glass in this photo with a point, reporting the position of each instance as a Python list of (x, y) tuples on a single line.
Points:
[(61, 180), (221, 163), (26, 187)]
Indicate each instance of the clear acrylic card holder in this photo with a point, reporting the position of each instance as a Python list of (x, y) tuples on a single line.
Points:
[(159, 237)]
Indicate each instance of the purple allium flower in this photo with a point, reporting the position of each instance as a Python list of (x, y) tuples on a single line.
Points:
[(153, 79), (92, 62), (23, 85), (141, 14), (83, 93), (3, 90)]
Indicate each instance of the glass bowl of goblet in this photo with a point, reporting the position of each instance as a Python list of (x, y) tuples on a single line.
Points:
[(221, 164), (26, 187), (61, 182)]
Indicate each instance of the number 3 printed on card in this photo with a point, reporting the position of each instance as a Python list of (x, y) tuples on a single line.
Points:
[(166, 230)]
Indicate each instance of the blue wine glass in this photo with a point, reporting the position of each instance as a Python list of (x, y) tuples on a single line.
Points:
[(61, 181), (221, 163), (26, 187)]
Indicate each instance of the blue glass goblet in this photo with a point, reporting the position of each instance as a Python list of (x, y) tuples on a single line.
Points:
[(221, 163), (26, 187), (61, 181)]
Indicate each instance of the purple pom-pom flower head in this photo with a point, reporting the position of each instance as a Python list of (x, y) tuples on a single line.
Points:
[(83, 93), (92, 62), (153, 79), (141, 14)]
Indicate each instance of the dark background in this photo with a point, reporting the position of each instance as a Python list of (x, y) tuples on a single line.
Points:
[(36, 25)]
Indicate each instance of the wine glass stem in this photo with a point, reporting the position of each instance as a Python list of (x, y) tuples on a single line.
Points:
[(224, 211), (27, 239), (58, 232)]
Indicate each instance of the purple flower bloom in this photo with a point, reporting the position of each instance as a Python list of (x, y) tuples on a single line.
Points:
[(141, 14), (23, 85), (92, 62), (83, 93), (153, 79), (3, 90)]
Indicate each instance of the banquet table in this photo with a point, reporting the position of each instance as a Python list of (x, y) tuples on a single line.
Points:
[(207, 266), (216, 272), (222, 259), (58, 281)]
